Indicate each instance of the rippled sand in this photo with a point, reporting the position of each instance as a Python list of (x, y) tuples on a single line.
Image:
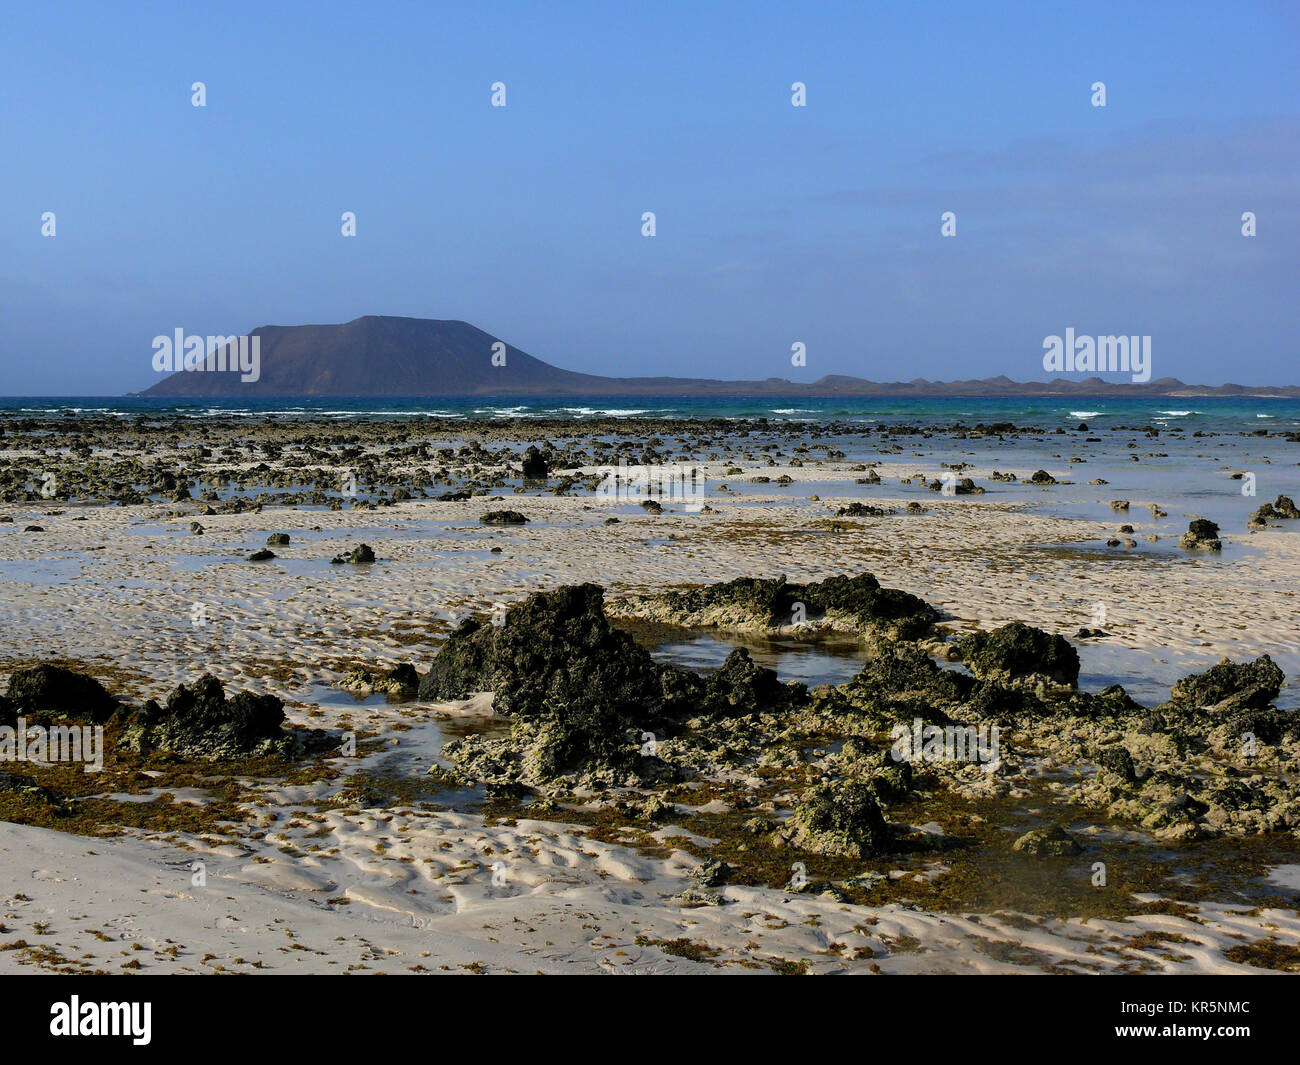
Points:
[(117, 592)]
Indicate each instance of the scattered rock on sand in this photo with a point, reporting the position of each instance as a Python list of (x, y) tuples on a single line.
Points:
[(862, 510), (359, 555), (198, 721), (1053, 842), (52, 691), (1283, 509), (503, 517), (1202, 535)]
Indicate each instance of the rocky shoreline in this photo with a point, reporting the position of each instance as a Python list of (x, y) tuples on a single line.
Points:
[(487, 613), (594, 719), (229, 465)]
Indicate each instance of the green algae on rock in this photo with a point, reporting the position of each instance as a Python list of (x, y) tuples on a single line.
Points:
[(1053, 842), (400, 681), (200, 722), (583, 696), (1201, 535), (840, 819), (503, 517), (361, 555), (857, 604), (1017, 653)]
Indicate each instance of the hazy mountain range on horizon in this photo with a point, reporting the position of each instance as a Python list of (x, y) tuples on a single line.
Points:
[(379, 356)]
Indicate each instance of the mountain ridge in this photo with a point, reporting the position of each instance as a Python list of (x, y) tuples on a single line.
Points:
[(392, 356)]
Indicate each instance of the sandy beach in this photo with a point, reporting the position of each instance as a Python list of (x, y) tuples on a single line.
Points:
[(367, 861)]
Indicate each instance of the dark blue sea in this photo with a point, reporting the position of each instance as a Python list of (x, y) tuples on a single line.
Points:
[(1234, 414)]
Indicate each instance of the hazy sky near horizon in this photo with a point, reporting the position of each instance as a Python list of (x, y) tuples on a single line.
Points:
[(775, 224)]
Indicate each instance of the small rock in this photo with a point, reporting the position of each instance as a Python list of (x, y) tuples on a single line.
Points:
[(503, 517), (1202, 535), (1052, 842)]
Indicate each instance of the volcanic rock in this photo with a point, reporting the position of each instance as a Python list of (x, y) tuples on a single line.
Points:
[(1020, 652)]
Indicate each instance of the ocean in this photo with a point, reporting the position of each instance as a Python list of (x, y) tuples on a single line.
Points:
[(1208, 414)]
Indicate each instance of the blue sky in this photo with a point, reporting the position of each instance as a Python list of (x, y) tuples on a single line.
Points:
[(775, 224)]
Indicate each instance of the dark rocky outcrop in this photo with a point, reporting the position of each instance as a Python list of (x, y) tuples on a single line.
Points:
[(840, 820), (739, 687), (199, 721), (898, 684), (1201, 535), (1233, 698), (857, 603), (360, 555), (1229, 685), (581, 693), (535, 466), (49, 691), (1019, 653), (556, 653), (1283, 508), (863, 510), (503, 517)]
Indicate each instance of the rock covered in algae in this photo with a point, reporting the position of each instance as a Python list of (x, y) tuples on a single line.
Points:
[(857, 604), (1053, 842), (840, 820), (1018, 653), (49, 691), (1202, 535), (199, 721), (582, 695)]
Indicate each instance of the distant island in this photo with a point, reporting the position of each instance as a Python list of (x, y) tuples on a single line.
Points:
[(391, 356)]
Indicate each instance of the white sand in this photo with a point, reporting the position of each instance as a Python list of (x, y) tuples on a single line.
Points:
[(568, 905), (116, 590)]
